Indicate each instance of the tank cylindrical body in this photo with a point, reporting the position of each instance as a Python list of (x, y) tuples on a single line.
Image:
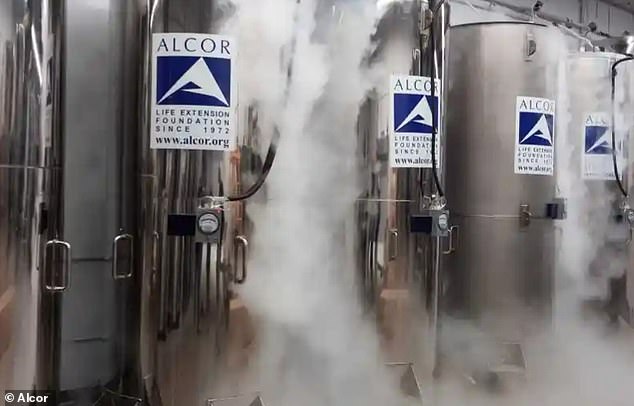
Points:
[(397, 268), (34, 259), (501, 272), (591, 116), (387, 192), (188, 328), (590, 170), (100, 127)]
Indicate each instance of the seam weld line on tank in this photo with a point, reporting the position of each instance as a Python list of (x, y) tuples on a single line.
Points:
[(498, 216), (90, 339), (386, 200), (93, 259), (6, 166), (232, 397)]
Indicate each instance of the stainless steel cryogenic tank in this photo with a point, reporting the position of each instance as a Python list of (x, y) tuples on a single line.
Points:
[(502, 86), (34, 259), (589, 89), (389, 194), (398, 268), (194, 330), (591, 169)]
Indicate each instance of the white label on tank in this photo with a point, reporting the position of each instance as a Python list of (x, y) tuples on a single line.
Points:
[(596, 161), (534, 136), (193, 92), (412, 112)]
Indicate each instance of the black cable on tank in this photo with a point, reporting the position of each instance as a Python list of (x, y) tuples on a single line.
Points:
[(615, 166), (266, 168), (434, 124), (421, 45), (272, 150)]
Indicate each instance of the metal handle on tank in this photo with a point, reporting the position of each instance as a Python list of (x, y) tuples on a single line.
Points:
[(115, 256), (393, 244), (66, 269), (240, 241), (530, 46), (452, 247), (370, 268)]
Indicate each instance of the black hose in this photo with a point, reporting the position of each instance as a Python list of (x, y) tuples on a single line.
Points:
[(421, 45), (437, 7), (434, 124), (272, 151), (615, 166), (434, 10), (266, 168)]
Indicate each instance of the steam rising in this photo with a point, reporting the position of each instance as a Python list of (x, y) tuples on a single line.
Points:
[(314, 345), (593, 249), (577, 361)]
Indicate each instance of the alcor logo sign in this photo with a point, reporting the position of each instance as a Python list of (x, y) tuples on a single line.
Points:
[(534, 136), (597, 161), (193, 92), (413, 110), (188, 80)]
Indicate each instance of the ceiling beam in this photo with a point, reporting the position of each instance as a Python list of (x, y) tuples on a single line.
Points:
[(620, 5)]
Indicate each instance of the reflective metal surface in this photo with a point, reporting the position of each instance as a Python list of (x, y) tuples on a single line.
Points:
[(501, 274), (600, 199), (388, 196), (100, 126), (594, 70), (191, 320), (31, 283), (398, 269)]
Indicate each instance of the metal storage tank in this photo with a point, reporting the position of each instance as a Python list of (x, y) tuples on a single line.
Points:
[(100, 127), (594, 70), (397, 268), (388, 194), (194, 329), (500, 276), (34, 258), (591, 172)]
